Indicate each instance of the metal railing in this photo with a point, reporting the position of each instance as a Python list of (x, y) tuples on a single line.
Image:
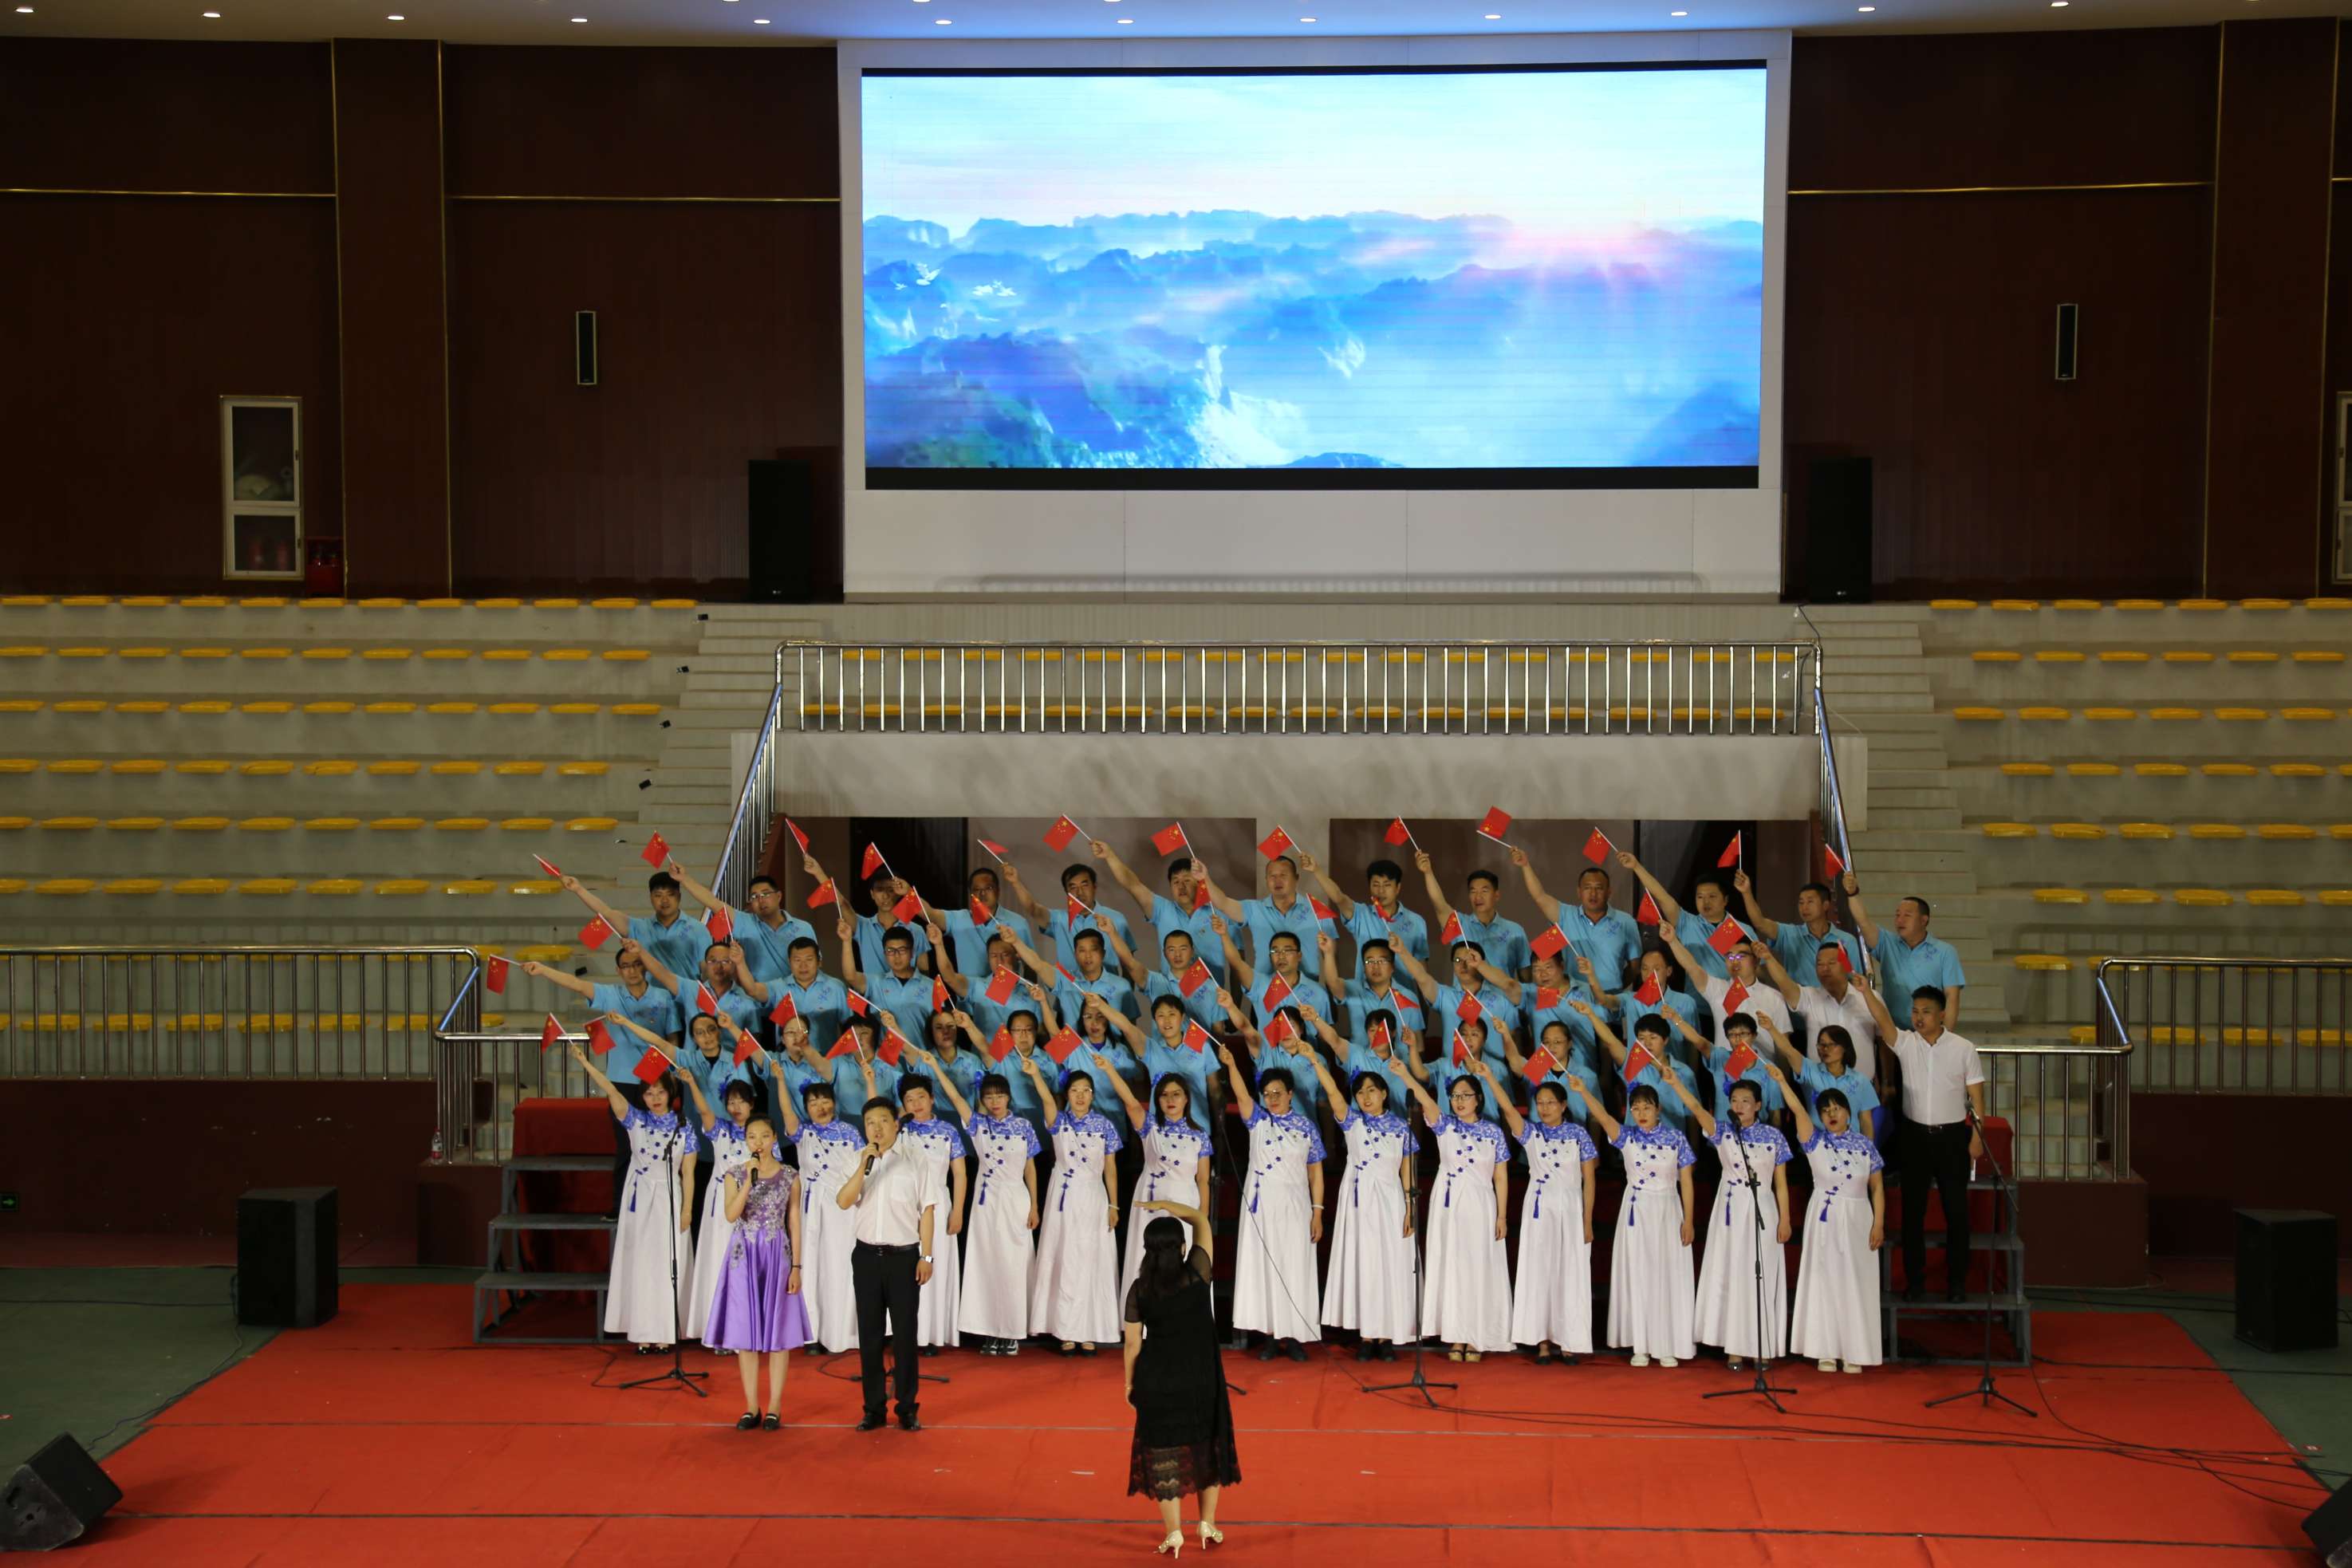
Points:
[(746, 849), (236, 1012), (1305, 688), (2068, 1108), (2230, 1025)]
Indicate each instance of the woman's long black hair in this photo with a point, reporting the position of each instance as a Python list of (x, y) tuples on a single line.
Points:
[(1164, 1271)]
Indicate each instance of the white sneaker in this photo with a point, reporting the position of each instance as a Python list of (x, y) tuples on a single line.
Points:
[(1826, 1364), (1641, 1360), (1850, 1367), (1668, 1361)]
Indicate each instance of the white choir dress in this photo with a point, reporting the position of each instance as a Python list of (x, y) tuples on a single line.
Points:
[(1274, 1256), (937, 1299), (1172, 1153), (640, 1303), (1466, 1287), (1650, 1276), (1739, 1228), (828, 1153), (1073, 1283), (1553, 1299), (726, 1154), (997, 1239), (1837, 1314), (1369, 1285)]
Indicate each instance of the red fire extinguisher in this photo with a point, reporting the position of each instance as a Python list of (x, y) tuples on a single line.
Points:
[(322, 573)]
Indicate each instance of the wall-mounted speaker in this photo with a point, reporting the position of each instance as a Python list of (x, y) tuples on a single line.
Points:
[(584, 348), (2070, 327), (1837, 531)]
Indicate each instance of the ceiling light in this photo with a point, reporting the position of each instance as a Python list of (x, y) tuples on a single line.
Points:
[(2057, 5), (1677, 13), (1865, 9), (23, 10)]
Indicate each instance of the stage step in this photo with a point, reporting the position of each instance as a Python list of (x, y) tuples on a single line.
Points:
[(551, 1222), (516, 1283), (560, 1162)]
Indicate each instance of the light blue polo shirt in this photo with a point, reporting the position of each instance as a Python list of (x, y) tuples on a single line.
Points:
[(908, 1000), (1266, 922), (1303, 991), (870, 928), (1720, 1060), (1612, 942), (970, 938), (1670, 1108), (1441, 1074), (1445, 1016), (962, 1069), (823, 1005), (1408, 931), (1361, 1003), (1057, 927), (655, 1010), (1502, 940), (715, 1073), (767, 950), (1583, 1070), (849, 1096), (1796, 947), (1069, 996), (1691, 931), (679, 944), (1166, 918), (1812, 1078), (1631, 1010), (1303, 1082), (1905, 968), (1362, 1059), (1098, 1062), (1529, 1025), (734, 1002), (1200, 1006), (1161, 1059)]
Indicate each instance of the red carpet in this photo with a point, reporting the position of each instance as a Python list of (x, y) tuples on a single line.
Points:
[(383, 1437)]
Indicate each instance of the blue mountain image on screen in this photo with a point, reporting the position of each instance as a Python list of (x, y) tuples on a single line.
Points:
[(1227, 339)]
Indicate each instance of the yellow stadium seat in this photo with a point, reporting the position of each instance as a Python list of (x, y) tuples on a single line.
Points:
[(2297, 771), (2042, 713), (215, 601), (392, 768), (268, 887), (15, 823), (20, 705), (2093, 770), (2042, 963), (2108, 714), (82, 653), (2161, 770), (636, 710), (440, 603), (526, 824), (76, 765), (555, 604), (448, 653), (396, 824), (535, 886), (326, 653), (2202, 898), (506, 655), (2026, 769), (331, 768), (2265, 603), (519, 769), (2058, 655), (331, 824), (201, 765), (2009, 830), (329, 705), (2227, 770), (2204, 604), (1978, 714), (473, 887), (2130, 895), (2221, 830), (390, 708), (612, 603), (382, 603), (549, 952), (271, 705), (2073, 604), (2307, 715), (498, 603), (2285, 830), (2187, 656), (2077, 830), (2156, 830), (93, 705), (324, 601), (134, 885), (136, 765), (2317, 656), (455, 706), (2274, 897), (580, 709), (2122, 656), (1996, 655), (564, 655), (23, 601), (266, 824), (336, 887), (2339, 830), (403, 887), (133, 824), (457, 768), (2176, 713), (2327, 604), (200, 824), (2251, 655), (265, 653), (462, 824), (588, 825), (18, 766), (2245, 715), (514, 709), (11, 884), (388, 655), (625, 655), (69, 824), (1951, 604), (23, 650), (2017, 604), (266, 767), (2060, 896), (65, 887)]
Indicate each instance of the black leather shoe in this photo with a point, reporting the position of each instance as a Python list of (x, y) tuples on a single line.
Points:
[(771, 1422), (872, 1424), (747, 1421), (1954, 1294), (909, 1424), (1913, 1293), (1268, 1351), (1294, 1349)]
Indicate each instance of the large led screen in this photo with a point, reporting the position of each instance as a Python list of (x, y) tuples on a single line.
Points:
[(1414, 279)]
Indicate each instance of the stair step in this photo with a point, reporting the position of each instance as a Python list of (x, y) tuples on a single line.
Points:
[(538, 1280), (551, 1221), (560, 1162)]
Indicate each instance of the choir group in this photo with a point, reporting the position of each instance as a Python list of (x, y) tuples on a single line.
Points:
[(1077, 1071)]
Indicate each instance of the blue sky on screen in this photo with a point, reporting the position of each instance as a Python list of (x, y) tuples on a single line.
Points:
[(1565, 155)]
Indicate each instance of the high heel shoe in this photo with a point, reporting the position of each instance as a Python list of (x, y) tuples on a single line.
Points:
[(1174, 1546), (1210, 1535)]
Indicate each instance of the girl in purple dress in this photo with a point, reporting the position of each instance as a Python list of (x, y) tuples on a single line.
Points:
[(757, 1306)]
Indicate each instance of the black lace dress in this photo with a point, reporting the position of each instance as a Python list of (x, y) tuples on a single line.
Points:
[(1183, 1422)]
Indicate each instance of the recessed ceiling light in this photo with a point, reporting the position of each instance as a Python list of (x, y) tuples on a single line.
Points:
[(23, 10), (2057, 5)]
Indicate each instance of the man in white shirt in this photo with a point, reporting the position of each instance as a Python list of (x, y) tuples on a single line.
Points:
[(897, 1196), (1943, 1085), (1835, 998)]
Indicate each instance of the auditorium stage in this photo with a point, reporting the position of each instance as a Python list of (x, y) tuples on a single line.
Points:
[(384, 1437)]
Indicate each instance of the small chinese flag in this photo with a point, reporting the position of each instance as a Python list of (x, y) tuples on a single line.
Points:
[(783, 1012), (1058, 836), (1169, 839), (1278, 991), (746, 1047), (1398, 832), (1001, 985), (1597, 847), (600, 1037), (551, 1033), (941, 998), (909, 910), (1637, 1056), (1076, 911), (1726, 936), (1195, 1038), (873, 862), (704, 1002), (1278, 1030), (857, 1004), (494, 974), (1743, 1056), (1540, 1065), (798, 836), (1461, 1052), (1651, 990), (1467, 1009), (1406, 999), (1200, 893), (1495, 824), (1000, 1044), (1194, 977), (1730, 856), (548, 866), (1064, 1041), (596, 935), (1648, 913), (994, 848), (656, 850), (846, 1046), (720, 923), (982, 915), (1453, 932), (1546, 998), (1323, 911), (1274, 845), (1548, 941), (650, 1067), (1381, 1037), (894, 1047), (822, 896), (1736, 998), (1832, 865)]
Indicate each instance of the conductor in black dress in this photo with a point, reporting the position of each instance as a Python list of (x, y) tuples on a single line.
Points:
[(1175, 1378)]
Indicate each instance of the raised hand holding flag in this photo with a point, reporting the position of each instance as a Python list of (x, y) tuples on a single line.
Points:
[(549, 867), (746, 1047), (1726, 936), (1003, 985), (1743, 1056), (1539, 1067), (982, 917), (873, 862), (1275, 845), (1064, 1041), (1730, 856), (783, 1012), (909, 910), (1548, 941), (657, 851), (720, 921), (1000, 1044), (996, 851), (1170, 839), (550, 1033), (1453, 932), (1058, 836), (1651, 990), (942, 998), (600, 1037), (1495, 824), (1323, 911), (596, 935), (1648, 914), (1832, 864), (1196, 1038), (1735, 999), (824, 895), (704, 1002), (1194, 976), (798, 836), (494, 974)]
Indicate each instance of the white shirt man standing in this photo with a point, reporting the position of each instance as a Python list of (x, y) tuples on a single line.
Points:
[(897, 1196), (1943, 1105)]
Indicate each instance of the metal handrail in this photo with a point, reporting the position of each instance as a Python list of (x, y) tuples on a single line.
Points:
[(2231, 1026), (748, 831)]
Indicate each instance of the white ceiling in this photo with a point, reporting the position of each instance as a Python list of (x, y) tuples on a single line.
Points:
[(740, 21)]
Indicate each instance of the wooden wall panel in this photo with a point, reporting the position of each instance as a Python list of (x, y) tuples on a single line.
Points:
[(394, 317), (719, 329), (2271, 206), (1919, 334), (126, 320), (117, 114), (643, 122)]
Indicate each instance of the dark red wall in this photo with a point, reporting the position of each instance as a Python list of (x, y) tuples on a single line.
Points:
[(2191, 1150)]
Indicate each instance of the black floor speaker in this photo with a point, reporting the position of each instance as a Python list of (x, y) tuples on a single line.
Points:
[(54, 1498), (2286, 1279), (286, 1256), (1837, 531), (793, 548), (2330, 1528)]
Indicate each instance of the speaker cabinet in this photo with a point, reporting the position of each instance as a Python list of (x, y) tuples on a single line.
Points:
[(2330, 1528), (54, 1498), (1837, 531), (286, 1275), (2286, 1279), (795, 530)]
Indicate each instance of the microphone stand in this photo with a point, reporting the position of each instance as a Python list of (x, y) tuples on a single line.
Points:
[(1760, 1384), (1419, 1382), (677, 1373), (2006, 1189)]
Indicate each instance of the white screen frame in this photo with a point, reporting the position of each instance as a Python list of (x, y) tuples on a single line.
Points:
[(916, 541)]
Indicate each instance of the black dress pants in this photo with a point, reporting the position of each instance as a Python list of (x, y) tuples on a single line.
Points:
[(883, 1281), (1936, 1155)]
